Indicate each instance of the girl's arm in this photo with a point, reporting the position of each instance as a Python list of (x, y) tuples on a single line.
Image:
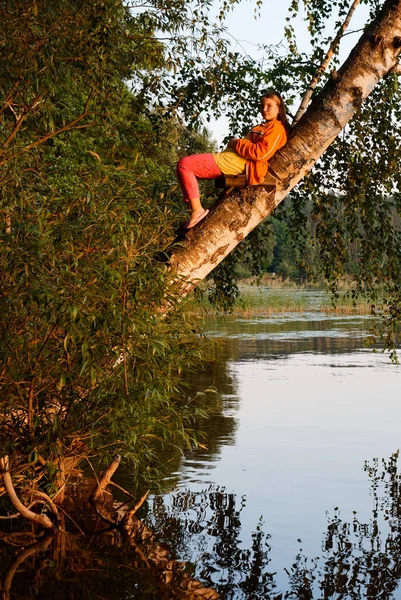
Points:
[(274, 138)]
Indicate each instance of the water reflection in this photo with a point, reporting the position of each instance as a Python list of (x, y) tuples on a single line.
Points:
[(291, 333), (359, 559), (305, 404), (301, 406)]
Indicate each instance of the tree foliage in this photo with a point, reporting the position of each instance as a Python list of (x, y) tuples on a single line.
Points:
[(90, 364)]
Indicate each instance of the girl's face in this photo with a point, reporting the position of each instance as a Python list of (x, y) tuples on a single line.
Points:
[(269, 109)]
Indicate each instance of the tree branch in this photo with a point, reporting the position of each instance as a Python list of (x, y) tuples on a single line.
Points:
[(9, 99), (20, 119), (17, 127), (69, 126), (17, 515), (137, 506), (323, 66), (105, 479), (100, 489), (41, 520)]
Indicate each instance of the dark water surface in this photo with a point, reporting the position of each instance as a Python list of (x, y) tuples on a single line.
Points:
[(297, 494)]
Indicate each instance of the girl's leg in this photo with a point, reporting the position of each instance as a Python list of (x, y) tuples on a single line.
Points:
[(189, 170)]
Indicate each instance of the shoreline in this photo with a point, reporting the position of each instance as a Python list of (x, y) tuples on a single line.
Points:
[(276, 296)]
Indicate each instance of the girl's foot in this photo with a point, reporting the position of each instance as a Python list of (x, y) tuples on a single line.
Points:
[(196, 216)]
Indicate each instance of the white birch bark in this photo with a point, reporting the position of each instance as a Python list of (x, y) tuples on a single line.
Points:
[(233, 218)]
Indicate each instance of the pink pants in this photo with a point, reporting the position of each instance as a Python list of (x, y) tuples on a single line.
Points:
[(194, 167)]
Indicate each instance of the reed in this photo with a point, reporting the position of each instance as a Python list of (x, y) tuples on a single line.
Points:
[(275, 296)]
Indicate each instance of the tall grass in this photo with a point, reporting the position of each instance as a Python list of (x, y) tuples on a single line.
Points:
[(275, 296)]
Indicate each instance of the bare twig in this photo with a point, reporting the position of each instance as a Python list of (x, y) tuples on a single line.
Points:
[(70, 517), (50, 503), (41, 520), (118, 487), (323, 66)]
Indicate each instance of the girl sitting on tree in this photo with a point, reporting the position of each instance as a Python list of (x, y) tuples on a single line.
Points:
[(248, 155)]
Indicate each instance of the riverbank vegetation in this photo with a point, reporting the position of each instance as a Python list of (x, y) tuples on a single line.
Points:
[(90, 363), (271, 294)]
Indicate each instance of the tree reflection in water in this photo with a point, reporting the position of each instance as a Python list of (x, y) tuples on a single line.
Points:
[(359, 560)]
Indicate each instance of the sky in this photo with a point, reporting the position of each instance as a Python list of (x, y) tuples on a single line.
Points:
[(246, 33)]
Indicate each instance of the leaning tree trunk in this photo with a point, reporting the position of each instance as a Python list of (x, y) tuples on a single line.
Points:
[(233, 218)]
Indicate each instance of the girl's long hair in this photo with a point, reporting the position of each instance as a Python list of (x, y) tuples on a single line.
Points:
[(282, 115)]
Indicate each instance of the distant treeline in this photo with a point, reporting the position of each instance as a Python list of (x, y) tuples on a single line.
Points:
[(291, 248)]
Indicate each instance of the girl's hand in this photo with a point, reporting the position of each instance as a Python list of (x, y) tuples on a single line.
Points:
[(232, 142)]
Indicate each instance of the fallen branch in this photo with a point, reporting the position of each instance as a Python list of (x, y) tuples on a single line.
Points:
[(137, 506), (105, 479), (41, 520), (118, 487), (100, 490), (17, 515)]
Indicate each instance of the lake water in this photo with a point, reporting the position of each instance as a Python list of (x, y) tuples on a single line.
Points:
[(296, 494)]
